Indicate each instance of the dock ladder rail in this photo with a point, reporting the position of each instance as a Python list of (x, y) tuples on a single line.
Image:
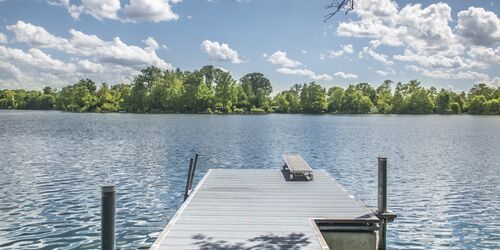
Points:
[(297, 166)]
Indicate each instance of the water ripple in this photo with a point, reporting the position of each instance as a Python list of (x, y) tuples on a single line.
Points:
[(443, 180)]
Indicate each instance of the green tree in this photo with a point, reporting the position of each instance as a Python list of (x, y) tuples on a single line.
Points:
[(313, 98), (335, 99), (477, 104), (384, 97), (225, 92), (443, 102), (251, 84), (355, 102), (482, 89), (108, 100)]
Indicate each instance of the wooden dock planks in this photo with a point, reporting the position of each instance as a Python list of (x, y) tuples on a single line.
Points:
[(245, 208)]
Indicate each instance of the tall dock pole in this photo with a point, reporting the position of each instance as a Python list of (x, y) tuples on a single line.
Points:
[(385, 216), (382, 200), (108, 211)]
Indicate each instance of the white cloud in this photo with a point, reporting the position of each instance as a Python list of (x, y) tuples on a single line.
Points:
[(9, 72), (381, 72), (35, 35), (425, 34), (3, 38), (486, 55), (36, 59), (150, 10), (370, 53), (102, 9), (438, 60), (345, 76), (304, 72), (422, 29), (346, 49), (220, 52), (135, 10), (450, 73), (73, 10), (303, 51), (115, 51), (152, 43), (479, 27), (280, 58), (333, 53), (111, 61), (87, 66)]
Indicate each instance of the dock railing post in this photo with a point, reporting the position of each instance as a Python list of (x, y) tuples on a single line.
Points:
[(194, 169), (382, 184), (383, 214), (188, 181), (108, 211)]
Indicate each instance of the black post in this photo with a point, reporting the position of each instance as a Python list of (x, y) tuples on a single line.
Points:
[(382, 200), (382, 184), (108, 211), (194, 169), (188, 181)]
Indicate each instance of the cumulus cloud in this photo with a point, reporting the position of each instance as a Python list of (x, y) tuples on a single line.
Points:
[(150, 10), (304, 72), (346, 49), (91, 56), (152, 43), (102, 9), (479, 27), (114, 51), (35, 58), (449, 73), (35, 35), (135, 10), (427, 39), (345, 76), (281, 59), (3, 38), (73, 10), (220, 52), (9, 73), (486, 55), (381, 72), (370, 53)]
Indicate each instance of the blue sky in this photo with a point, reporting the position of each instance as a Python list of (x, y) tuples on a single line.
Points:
[(444, 44)]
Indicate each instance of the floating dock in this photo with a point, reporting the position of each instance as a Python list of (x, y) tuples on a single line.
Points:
[(265, 209)]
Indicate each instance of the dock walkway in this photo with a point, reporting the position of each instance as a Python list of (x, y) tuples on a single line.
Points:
[(258, 209)]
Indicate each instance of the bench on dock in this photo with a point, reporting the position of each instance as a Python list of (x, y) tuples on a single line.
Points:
[(296, 165)]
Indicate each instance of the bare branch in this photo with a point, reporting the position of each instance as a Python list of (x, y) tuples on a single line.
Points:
[(338, 6)]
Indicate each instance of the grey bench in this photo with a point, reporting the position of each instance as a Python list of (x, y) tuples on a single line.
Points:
[(296, 165)]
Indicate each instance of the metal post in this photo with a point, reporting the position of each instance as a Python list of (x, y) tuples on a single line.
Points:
[(382, 201), (194, 169), (382, 184), (188, 181), (108, 211)]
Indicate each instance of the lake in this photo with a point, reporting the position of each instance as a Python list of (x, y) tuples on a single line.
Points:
[(443, 180)]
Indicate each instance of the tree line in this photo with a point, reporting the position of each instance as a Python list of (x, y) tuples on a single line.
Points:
[(211, 89)]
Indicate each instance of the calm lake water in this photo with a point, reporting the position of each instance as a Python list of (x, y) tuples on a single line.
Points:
[(444, 171)]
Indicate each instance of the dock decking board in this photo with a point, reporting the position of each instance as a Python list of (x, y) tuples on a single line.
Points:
[(240, 209)]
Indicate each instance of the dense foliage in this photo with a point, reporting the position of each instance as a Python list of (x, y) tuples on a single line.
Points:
[(211, 89)]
